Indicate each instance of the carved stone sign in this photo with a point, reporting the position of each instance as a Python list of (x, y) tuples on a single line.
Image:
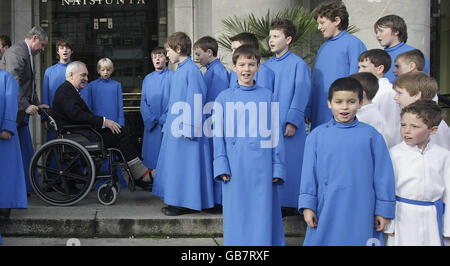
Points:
[(101, 2)]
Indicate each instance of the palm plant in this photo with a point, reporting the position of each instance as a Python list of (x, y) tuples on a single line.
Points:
[(302, 18)]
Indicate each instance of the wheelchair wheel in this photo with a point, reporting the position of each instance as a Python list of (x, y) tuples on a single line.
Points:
[(107, 194), (62, 172)]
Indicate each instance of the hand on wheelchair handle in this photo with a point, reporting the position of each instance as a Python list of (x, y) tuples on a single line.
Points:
[(113, 126)]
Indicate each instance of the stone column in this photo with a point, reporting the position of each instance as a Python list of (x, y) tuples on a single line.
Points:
[(5, 17), (416, 13)]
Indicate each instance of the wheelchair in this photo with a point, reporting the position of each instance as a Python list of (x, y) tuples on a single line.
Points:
[(64, 170)]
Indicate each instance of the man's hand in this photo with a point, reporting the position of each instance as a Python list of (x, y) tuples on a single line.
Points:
[(32, 110), (310, 218), (113, 126), (5, 135), (44, 106), (290, 130)]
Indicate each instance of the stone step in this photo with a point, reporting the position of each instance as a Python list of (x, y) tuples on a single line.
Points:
[(135, 214)]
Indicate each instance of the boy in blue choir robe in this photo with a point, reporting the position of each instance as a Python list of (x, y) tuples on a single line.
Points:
[(391, 32), (347, 192), (292, 89), (216, 79), (154, 100), (336, 58), (265, 76), (104, 98), (250, 169), (13, 193), (56, 75), (184, 170)]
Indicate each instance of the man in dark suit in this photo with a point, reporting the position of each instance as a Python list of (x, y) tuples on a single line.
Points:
[(18, 60), (70, 109)]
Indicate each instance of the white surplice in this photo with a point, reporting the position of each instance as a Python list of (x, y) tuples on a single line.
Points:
[(389, 109), (442, 136), (421, 176), (370, 114)]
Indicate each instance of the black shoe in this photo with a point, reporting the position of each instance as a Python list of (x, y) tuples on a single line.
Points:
[(143, 184), (217, 209), (175, 211), (146, 185), (5, 213), (288, 211)]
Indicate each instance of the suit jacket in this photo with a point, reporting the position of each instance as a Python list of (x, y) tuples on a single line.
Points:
[(70, 109), (17, 61)]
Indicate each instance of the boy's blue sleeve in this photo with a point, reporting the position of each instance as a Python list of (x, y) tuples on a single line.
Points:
[(46, 88), (86, 94), (148, 116), (353, 52), (384, 179), (8, 121), (196, 89), (165, 98), (308, 184), (221, 165), (302, 94), (120, 103), (279, 168)]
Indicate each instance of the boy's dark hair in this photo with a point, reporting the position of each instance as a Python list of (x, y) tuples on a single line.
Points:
[(331, 10), (427, 110), (5, 40), (206, 43), (377, 57), (247, 51), (286, 26), (415, 56), (180, 40), (246, 38), (369, 83), (158, 50), (417, 81), (346, 84), (396, 23), (64, 42)]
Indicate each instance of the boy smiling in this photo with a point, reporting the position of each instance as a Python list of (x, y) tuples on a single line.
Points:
[(347, 193), (336, 58)]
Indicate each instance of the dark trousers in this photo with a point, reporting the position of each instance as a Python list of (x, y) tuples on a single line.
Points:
[(119, 141)]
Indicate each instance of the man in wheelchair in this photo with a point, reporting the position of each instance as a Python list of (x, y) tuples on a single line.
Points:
[(70, 109)]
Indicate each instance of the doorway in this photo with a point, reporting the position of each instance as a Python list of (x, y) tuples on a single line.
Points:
[(123, 30)]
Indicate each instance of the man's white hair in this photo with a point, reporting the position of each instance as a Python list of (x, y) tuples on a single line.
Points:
[(74, 67)]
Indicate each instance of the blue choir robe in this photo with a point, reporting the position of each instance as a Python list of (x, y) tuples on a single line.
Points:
[(394, 52), (251, 208), (217, 79), (154, 100), (54, 76), (292, 90), (13, 193), (104, 98), (336, 58), (264, 78), (184, 168), (347, 179)]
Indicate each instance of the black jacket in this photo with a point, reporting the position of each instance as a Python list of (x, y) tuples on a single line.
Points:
[(70, 109)]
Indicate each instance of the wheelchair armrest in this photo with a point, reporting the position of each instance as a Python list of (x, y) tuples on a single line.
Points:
[(84, 126)]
